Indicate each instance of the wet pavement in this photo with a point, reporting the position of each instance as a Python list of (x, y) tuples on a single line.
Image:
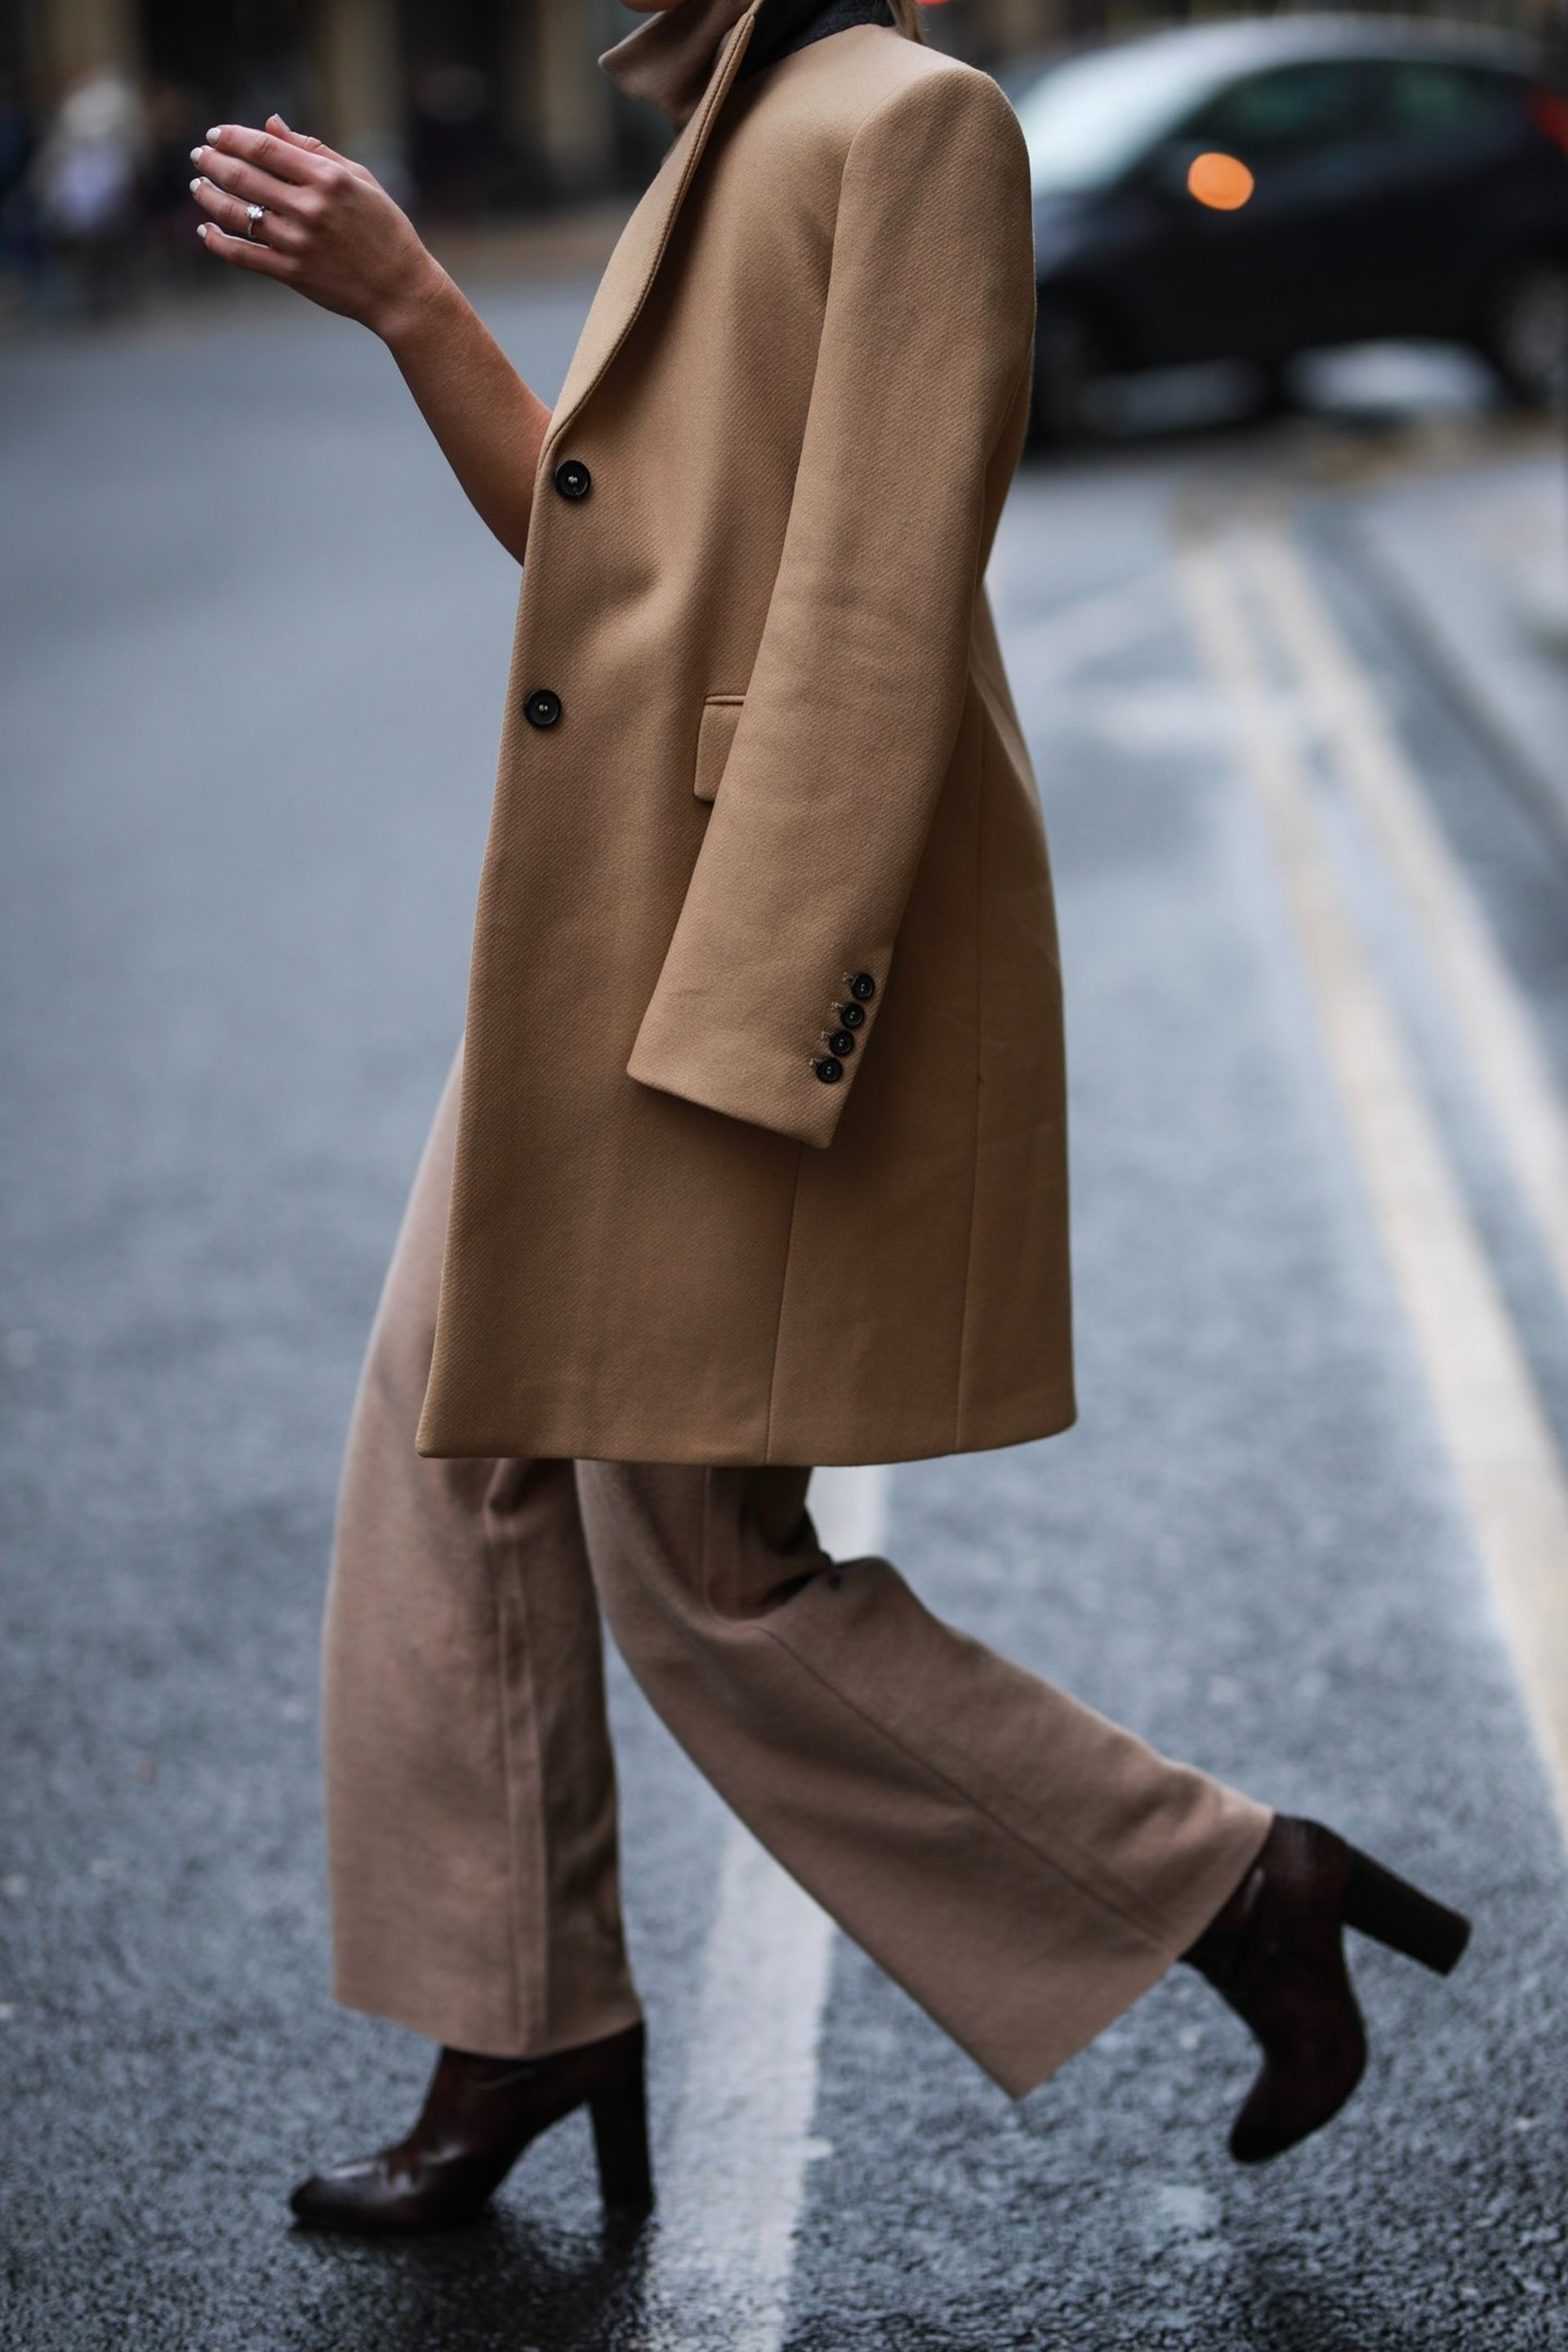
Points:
[(255, 647)]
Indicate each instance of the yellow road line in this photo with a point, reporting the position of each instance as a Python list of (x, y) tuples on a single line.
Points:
[(1504, 1047), (1500, 1443)]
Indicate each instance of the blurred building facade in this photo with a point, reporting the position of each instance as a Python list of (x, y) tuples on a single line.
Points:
[(473, 105), (490, 99)]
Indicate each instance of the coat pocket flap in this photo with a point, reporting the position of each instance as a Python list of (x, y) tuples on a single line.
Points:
[(715, 733)]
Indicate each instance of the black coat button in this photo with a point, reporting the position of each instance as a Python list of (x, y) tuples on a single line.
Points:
[(573, 478), (841, 1043), (828, 1070), (851, 1014), (863, 986), (543, 709)]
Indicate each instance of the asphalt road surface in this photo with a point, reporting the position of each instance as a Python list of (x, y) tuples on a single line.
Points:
[(1305, 1532)]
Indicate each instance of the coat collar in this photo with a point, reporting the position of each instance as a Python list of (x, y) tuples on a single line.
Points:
[(667, 62), (633, 265)]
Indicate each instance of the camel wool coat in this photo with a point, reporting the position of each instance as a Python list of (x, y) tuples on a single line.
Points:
[(761, 1152)]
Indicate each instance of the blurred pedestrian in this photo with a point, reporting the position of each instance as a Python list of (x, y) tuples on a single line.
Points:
[(754, 1156), (87, 178)]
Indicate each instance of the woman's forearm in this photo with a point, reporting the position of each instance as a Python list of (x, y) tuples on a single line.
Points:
[(490, 424), (286, 206)]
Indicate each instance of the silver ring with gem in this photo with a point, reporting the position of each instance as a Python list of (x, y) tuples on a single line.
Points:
[(254, 215)]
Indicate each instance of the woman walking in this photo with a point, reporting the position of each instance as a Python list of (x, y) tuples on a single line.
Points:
[(754, 1157)]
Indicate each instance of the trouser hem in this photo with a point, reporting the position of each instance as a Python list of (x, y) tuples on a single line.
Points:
[(456, 2027), (1123, 1979)]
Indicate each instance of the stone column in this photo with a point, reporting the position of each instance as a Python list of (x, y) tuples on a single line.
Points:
[(70, 37), (557, 97), (359, 67)]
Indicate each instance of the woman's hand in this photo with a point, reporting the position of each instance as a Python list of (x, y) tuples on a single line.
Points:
[(327, 229), (330, 230)]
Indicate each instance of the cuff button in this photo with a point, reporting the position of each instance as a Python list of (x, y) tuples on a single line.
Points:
[(828, 1070), (851, 1014), (841, 1043), (863, 986)]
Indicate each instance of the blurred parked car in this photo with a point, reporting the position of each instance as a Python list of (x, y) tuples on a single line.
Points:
[(1250, 191)]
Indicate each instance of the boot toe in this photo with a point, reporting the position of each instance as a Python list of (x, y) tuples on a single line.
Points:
[(351, 2197), (329, 2199), (379, 2197)]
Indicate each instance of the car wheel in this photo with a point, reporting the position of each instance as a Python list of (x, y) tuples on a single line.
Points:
[(1526, 337), (1070, 357)]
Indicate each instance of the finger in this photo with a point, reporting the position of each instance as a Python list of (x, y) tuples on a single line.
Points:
[(303, 139), (312, 146), (282, 157), (253, 186), (275, 228), (243, 255)]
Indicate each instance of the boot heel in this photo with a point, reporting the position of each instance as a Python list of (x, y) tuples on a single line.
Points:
[(619, 2114), (1396, 1913)]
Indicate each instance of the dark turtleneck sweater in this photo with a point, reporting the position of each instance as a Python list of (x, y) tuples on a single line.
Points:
[(668, 60), (784, 25)]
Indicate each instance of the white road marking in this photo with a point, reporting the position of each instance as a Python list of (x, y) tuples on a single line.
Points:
[(1108, 620), (850, 1509), (1504, 1046), (1498, 1436), (1148, 719), (734, 2182)]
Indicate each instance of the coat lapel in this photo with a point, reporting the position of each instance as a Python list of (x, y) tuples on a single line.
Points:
[(633, 265)]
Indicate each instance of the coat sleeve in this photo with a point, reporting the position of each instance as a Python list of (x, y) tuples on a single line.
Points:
[(854, 703)]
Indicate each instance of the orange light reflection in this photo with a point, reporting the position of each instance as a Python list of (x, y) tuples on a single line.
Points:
[(1221, 182)]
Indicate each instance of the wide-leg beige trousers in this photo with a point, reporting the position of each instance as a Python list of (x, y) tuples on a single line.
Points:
[(1020, 1865)]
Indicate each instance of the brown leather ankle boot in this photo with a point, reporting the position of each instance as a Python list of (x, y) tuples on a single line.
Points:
[(1275, 1954), (480, 2114)]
